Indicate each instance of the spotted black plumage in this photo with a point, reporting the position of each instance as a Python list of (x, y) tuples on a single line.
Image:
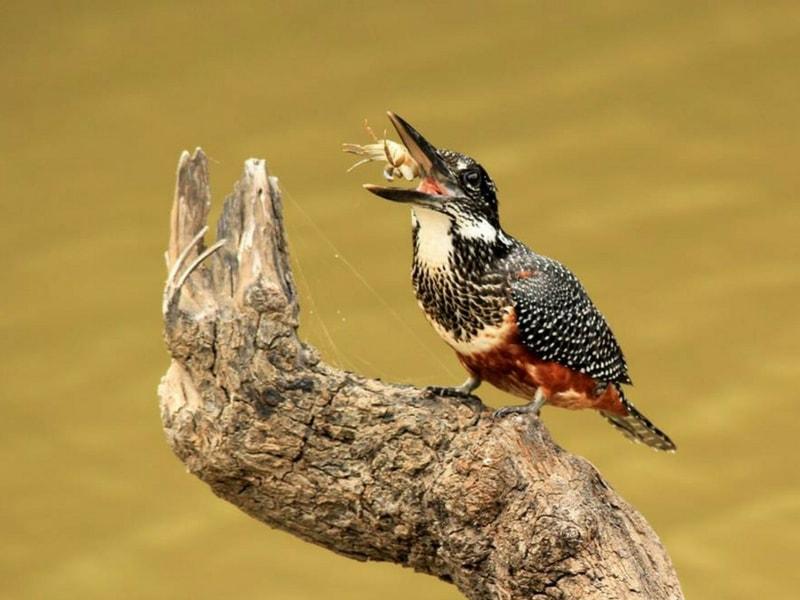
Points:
[(520, 320), (469, 293), (559, 322)]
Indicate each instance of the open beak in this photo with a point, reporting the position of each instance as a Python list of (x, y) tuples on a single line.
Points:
[(437, 180)]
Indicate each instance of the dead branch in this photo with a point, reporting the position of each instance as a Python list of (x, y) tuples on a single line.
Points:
[(367, 469)]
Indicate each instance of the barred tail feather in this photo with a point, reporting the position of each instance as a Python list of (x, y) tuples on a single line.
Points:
[(635, 426)]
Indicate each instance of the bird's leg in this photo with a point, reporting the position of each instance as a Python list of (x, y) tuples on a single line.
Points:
[(463, 391), (533, 407)]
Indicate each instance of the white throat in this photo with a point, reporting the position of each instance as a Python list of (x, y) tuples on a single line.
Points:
[(435, 237), (434, 240)]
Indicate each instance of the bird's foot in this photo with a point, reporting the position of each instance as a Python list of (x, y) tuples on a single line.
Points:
[(532, 408), (523, 409), (463, 391), (449, 392)]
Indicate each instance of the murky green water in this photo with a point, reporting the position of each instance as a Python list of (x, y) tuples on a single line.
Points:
[(653, 149)]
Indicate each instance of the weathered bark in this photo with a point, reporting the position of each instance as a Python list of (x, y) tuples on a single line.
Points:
[(369, 469)]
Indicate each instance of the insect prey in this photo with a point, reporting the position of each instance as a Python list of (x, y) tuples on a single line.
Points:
[(399, 162)]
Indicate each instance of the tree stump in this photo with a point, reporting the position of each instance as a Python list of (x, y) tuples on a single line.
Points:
[(368, 469)]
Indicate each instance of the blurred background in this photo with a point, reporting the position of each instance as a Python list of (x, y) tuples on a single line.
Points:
[(652, 147)]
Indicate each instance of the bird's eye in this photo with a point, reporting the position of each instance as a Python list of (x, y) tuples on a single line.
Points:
[(471, 178)]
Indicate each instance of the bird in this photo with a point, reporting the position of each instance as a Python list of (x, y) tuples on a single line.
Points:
[(516, 319)]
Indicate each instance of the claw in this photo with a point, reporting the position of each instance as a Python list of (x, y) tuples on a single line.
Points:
[(463, 391), (514, 410), (533, 407), (448, 392)]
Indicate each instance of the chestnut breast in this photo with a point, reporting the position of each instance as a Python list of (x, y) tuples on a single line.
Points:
[(498, 357)]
